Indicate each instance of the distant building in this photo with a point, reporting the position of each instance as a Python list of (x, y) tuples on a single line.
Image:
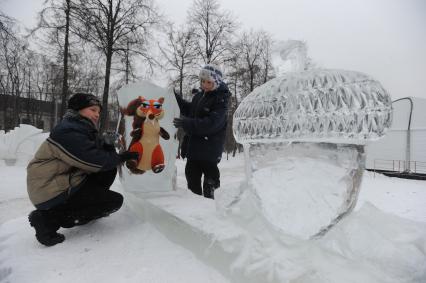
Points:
[(40, 114)]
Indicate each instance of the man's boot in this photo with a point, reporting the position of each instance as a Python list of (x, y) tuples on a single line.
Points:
[(69, 221), (209, 187), (45, 227)]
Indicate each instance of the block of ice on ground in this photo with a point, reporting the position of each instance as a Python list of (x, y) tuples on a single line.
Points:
[(302, 188), (367, 246), (149, 181), (305, 188)]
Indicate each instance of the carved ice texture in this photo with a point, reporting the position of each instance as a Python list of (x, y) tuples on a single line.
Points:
[(17, 146), (303, 135), (317, 105), (300, 189), (290, 55)]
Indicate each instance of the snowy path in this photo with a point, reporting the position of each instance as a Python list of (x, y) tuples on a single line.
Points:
[(405, 198), (122, 248)]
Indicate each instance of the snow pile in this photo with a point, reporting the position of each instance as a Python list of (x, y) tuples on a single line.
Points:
[(120, 248), (391, 248)]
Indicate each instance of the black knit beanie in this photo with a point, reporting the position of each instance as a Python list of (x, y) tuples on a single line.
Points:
[(82, 100)]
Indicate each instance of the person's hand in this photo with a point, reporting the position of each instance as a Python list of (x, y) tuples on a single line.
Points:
[(109, 147), (109, 140), (128, 155), (179, 122)]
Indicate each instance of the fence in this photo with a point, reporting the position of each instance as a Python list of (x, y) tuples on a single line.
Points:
[(400, 166)]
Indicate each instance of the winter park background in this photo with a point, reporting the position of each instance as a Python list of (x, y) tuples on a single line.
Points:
[(383, 240)]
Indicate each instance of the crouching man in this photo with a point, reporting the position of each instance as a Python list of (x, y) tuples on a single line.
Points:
[(68, 179)]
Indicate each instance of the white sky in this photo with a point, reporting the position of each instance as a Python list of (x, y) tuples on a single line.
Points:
[(383, 38)]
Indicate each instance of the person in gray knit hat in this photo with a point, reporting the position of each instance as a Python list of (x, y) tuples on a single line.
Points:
[(204, 122), (68, 179), (211, 73)]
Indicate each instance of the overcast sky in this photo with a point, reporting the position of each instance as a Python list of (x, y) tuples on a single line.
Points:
[(383, 38)]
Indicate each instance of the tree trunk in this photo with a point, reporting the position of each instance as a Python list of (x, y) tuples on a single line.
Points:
[(251, 79), (66, 50), (208, 55), (104, 114), (5, 106), (181, 81)]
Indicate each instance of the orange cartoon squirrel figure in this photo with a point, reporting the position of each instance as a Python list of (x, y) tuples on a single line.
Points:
[(146, 135)]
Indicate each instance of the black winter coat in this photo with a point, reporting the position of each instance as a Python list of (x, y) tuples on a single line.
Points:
[(61, 164), (205, 124), (80, 139)]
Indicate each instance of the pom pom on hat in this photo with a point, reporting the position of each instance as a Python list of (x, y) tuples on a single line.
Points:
[(82, 100), (211, 73)]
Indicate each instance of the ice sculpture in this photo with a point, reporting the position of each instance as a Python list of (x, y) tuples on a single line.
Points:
[(305, 133), (151, 182), (318, 105), (290, 55), (18, 145)]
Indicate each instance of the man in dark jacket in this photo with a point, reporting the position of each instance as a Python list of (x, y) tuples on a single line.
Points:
[(204, 122), (68, 179)]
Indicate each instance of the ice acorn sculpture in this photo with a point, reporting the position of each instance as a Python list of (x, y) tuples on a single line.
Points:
[(320, 105), (304, 132)]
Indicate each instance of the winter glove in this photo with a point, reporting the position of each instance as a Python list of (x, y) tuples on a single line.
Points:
[(128, 155), (180, 122), (108, 147), (110, 139), (194, 91)]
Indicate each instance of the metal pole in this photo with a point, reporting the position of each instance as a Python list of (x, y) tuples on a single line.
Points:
[(408, 147)]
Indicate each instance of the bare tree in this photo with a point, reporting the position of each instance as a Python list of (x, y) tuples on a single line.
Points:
[(67, 11), (180, 54), (5, 24), (254, 47), (6, 37), (109, 25), (251, 63), (13, 71), (266, 60), (6, 41), (251, 48), (213, 28), (57, 17), (248, 67), (42, 76)]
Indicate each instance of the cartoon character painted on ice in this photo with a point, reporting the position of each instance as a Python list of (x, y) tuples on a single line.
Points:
[(146, 135)]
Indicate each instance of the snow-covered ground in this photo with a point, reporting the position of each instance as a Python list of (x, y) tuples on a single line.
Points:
[(123, 248)]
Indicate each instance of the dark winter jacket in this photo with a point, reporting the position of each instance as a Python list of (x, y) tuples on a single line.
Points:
[(62, 163), (205, 124)]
